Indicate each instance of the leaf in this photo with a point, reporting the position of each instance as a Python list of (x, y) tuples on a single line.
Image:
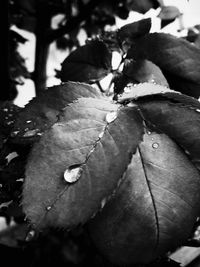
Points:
[(182, 85), (142, 6), (154, 209), (88, 63), (133, 92), (129, 32), (42, 111), (144, 71), (95, 139), (174, 55), (179, 118), (169, 13)]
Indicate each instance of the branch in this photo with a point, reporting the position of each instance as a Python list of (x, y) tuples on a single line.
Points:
[(73, 22)]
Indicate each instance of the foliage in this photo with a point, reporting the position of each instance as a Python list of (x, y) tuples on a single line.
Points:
[(104, 176)]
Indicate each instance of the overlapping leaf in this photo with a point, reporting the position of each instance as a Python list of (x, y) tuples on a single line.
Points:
[(94, 140), (88, 63), (171, 54), (144, 71), (127, 34), (142, 188), (42, 111), (154, 208), (179, 118)]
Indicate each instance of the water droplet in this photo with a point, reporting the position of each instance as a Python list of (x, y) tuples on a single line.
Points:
[(72, 174), (20, 180), (30, 133), (103, 203), (13, 134), (155, 145), (11, 156), (127, 89), (10, 122), (28, 121), (111, 116), (198, 110), (30, 235), (101, 135), (48, 208), (149, 132)]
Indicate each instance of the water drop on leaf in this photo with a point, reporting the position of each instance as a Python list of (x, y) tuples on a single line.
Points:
[(30, 235), (48, 208), (103, 202), (72, 174), (155, 145), (111, 116), (13, 134), (198, 110), (30, 133), (101, 135)]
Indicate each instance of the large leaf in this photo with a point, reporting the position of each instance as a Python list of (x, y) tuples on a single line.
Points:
[(174, 55), (42, 111), (155, 207), (79, 162), (179, 118), (88, 63)]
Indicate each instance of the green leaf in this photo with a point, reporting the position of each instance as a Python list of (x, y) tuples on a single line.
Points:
[(179, 118), (154, 209), (88, 63), (174, 55), (93, 140), (42, 111)]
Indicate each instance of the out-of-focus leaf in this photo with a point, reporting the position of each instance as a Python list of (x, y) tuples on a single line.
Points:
[(142, 6), (13, 235), (144, 71), (154, 209), (88, 63), (79, 162), (171, 54), (129, 32), (42, 111), (169, 13)]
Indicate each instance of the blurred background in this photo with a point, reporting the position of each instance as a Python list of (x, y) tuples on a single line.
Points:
[(59, 49)]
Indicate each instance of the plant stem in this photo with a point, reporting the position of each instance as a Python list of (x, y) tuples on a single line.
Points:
[(42, 48)]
